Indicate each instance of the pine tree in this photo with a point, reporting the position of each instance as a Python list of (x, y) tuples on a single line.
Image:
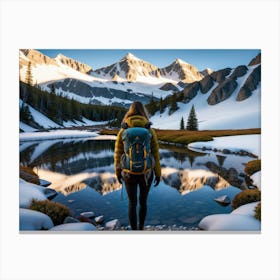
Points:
[(192, 120), (173, 104), (28, 75), (161, 109), (182, 124), (152, 106)]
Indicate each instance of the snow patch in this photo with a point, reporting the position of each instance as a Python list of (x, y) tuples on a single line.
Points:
[(33, 220), (74, 227), (249, 143), (230, 222), (29, 191), (56, 134)]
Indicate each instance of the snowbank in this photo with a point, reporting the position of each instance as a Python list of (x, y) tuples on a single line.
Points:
[(33, 220), (74, 227), (230, 222), (256, 177), (248, 143), (241, 219), (40, 118), (26, 128), (29, 191), (56, 134)]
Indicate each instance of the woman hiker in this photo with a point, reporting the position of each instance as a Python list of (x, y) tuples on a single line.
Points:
[(136, 160)]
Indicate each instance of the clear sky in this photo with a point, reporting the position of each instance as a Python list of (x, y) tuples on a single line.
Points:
[(201, 58)]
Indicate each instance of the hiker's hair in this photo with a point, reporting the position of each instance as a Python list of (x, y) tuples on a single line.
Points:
[(136, 108)]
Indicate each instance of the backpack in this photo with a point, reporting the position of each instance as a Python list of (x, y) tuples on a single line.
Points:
[(137, 158)]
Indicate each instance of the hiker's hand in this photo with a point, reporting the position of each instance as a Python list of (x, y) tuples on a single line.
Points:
[(120, 178), (157, 180)]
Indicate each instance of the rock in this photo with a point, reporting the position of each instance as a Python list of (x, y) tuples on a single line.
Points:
[(190, 91), (239, 72), (256, 60), (250, 84), (226, 151), (89, 214), (169, 86), (50, 193), (206, 83), (99, 219), (111, 225), (220, 75), (69, 219), (223, 200), (44, 183), (222, 92)]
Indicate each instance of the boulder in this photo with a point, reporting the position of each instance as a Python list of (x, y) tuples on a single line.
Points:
[(99, 219), (111, 225), (44, 183), (223, 200), (89, 214)]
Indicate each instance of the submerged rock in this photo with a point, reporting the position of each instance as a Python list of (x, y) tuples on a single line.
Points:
[(89, 214), (99, 219), (223, 200), (69, 219)]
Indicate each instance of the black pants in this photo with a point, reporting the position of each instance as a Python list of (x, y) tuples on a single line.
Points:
[(131, 184)]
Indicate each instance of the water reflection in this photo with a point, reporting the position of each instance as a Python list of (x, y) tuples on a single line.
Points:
[(66, 184), (82, 172), (188, 180), (71, 165)]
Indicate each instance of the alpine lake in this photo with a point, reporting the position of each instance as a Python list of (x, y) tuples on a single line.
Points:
[(82, 173)]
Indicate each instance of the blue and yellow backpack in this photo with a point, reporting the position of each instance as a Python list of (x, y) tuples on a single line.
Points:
[(137, 158)]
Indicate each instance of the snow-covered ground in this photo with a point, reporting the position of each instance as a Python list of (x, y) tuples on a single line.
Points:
[(240, 219), (229, 114), (45, 122), (56, 134), (248, 143)]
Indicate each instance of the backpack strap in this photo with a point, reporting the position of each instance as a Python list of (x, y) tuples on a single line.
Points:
[(148, 125), (124, 125)]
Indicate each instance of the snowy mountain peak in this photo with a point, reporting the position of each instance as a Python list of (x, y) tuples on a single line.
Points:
[(130, 56), (181, 71), (76, 65), (206, 71), (180, 61)]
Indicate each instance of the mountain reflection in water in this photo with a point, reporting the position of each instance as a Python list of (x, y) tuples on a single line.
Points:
[(82, 172), (71, 165)]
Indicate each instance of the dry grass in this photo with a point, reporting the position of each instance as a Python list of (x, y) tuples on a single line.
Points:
[(253, 166), (246, 196), (27, 174), (185, 136)]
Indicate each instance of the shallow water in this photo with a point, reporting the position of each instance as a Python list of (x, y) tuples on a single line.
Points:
[(82, 173)]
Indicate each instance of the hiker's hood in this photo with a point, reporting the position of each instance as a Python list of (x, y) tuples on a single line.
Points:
[(136, 121)]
